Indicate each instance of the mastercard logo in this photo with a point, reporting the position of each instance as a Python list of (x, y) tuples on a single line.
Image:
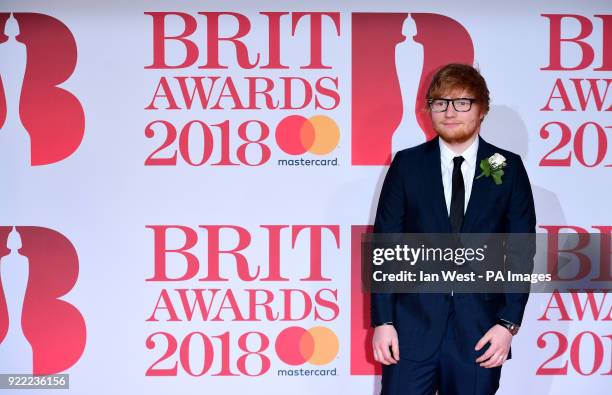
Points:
[(296, 135), (317, 345)]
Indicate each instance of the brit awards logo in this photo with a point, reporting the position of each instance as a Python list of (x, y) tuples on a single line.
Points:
[(40, 123), (243, 89), (39, 332), (394, 58), (252, 317)]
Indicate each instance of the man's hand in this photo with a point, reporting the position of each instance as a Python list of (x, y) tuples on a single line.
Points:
[(500, 339), (385, 336)]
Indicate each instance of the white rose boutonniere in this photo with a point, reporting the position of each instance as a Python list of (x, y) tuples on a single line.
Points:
[(493, 167)]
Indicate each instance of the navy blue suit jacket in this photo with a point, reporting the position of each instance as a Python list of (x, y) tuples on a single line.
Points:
[(412, 201)]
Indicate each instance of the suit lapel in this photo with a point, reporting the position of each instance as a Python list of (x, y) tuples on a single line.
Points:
[(480, 188), (435, 187)]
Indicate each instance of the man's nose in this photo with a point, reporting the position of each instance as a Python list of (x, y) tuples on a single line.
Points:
[(450, 111)]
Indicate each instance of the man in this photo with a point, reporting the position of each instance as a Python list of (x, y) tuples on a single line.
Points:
[(451, 343)]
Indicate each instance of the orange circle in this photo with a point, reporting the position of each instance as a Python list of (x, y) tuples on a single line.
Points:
[(307, 135), (326, 345), (326, 135), (306, 345)]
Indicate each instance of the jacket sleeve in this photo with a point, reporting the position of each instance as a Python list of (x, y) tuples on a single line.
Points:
[(520, 250), (390, 215)]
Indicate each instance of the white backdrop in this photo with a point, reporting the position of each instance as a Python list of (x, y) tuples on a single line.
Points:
[(107, 202)]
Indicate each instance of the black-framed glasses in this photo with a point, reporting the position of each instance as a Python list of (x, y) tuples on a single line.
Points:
[(461, 104)]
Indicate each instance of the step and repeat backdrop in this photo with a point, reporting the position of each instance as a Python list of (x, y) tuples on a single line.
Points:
[(184, 185)]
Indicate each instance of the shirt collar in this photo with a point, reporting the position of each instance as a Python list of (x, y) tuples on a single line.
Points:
[(469, 155)]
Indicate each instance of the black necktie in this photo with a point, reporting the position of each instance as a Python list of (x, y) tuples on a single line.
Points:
[(457, 197)]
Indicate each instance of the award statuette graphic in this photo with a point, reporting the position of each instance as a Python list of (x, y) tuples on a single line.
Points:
[(38, 55), (40, 331), (14, 139), (15, 350), (409, 60)]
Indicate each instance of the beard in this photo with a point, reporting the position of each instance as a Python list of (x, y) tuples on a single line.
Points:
[(458, 134)]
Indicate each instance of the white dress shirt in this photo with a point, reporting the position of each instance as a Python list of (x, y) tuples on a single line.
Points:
[(468, 170)]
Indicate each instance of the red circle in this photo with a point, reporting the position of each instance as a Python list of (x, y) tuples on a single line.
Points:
[(294, 345), (294, 135)]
